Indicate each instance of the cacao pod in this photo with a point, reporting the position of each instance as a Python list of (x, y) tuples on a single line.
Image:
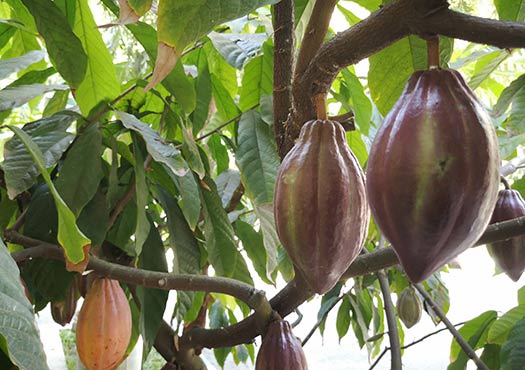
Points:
[(280, 349), (320, 207), (104, 326), (409, 307), (432, 176), (509, 254), (64, 310)]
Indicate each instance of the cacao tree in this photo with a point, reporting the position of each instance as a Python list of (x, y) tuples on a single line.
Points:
[(142, 145)]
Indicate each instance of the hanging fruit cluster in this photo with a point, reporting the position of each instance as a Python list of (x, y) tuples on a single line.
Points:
[(509, 254), (409, 307), (104, 326), (280, 349)]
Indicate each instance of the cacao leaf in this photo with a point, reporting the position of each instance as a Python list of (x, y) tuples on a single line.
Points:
[(513, 350), (511, 10), (237, 48), (51, 137), (152, 301), (227, 183), (252, 242), (69, 236), (191, 151), (485, 66), (18, 330), (257, 79), (203, 88), (12, 97), (142, 230), (81, 171), (343, 318), (12, 65), (501, 328), (475, 331), (100, 82), (63, 46)]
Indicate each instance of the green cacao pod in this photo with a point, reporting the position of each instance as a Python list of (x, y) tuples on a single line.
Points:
[(63, 311), (320, 207), (509, 254), (432, 175), (104, 326), (280, 349), (409, 307)]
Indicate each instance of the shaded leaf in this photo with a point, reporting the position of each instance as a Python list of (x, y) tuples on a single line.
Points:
[(18, 328), (12, 97), (51, 137), (257, 79), (237, 48), (252, 242), (513, 350), (12, 65), (63, 46), (500, 330)]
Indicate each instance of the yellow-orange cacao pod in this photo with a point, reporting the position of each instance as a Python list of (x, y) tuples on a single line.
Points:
[(104, 326)]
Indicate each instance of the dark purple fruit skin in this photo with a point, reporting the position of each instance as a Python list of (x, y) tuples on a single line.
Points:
[(280, 349), (63, 311), (320, 207), (509, 254), (432, 176)]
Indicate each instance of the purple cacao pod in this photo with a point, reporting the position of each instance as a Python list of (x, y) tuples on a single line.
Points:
[(320, 207), (432, 175), (64, 310), (509, 254), (280, 349)]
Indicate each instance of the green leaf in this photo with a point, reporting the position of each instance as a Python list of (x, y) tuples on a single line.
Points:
[(226, 107), (12, 65), (203, 89), (511, 10), (63, 46), (34, 77), (227, 183), (361, 105), (141, 197), (100, 82), (257, 157), (185, 21), (219, 319), (237, 48), (160, 150), (191, 152), (475, 332), (507, 145), (391, 67), (252, 242), (521, 295), (81, 171), (69, 235), (94, 219), (486, 65), (500, 330), (152, 301), (186, 252), (343, 318), (190, 202), (51, 137), (490, 356), (509, 95), (513, 351), (57, 103), (271, 241), (220, 243), (219, 153), (257, 79), (18, 327), (12, 97)]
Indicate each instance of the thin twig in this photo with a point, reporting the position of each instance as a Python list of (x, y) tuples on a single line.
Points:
[(393, 334), (379, 358), (220, 127), (459, 339)]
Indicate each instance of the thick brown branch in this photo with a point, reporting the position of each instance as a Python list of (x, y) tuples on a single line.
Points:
[(314, 34), (382, 28), (285, 302), (283, 25)]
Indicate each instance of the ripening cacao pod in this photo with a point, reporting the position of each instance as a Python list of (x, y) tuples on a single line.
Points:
[(432, 176), (509, 254), (280, 349), (104, 326), (63, 311), (409, 307), (320, 207)]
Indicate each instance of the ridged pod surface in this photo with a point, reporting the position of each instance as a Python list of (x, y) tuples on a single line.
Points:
[(104, 326), (320, 207), (409, 307), (280, 349), (509, 254), (432, 175)]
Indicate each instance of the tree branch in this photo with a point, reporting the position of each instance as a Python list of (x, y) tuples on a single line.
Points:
[(283, 25), (393, 335), (382, 28), (461, 341)]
